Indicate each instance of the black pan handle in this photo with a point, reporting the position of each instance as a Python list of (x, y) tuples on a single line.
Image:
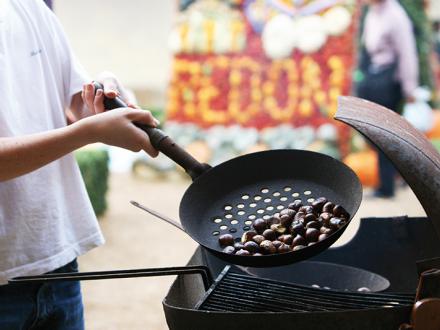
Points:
[(161, 141), (112, 274)]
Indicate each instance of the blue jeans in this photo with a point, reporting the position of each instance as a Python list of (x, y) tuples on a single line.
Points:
[(54, 305)]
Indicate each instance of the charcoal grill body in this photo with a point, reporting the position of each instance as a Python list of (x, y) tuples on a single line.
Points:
[(383, 319), (387, 246), (186, 293), (390, 247)]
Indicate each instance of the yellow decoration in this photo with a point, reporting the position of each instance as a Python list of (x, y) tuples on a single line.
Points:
[(235, 77), (268, 88), (222, 62), (255, 81), (332, 108), (304, 89), (320, 97), (270, 102), (256, 95), (237, 29), (204, 94), (234, 95), (335, 63), (195, 80), (334, 92), (337, 79), (292, 90), (189, 109), (184, 28), (172, 107), (306, 92), (194, 68), (305, 108), (209, 27)]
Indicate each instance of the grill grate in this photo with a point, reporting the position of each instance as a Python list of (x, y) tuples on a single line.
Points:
[(233, 292)]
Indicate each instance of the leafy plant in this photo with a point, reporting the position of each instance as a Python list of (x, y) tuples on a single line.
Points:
[(93, 165)]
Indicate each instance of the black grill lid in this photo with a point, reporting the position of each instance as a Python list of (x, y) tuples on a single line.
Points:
[(410, 151)]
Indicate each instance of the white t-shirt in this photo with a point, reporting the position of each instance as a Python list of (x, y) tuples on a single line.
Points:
[(46, 219)]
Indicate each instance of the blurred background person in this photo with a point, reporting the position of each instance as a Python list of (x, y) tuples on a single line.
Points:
[(389, 69)]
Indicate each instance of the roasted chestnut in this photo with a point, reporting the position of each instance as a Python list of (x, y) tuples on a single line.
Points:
[(226, 239), (251, 246), (273, 220), (298, 247), (299, 240), (286, 238), (318, 203), (229, 250), (328, 207), (278, 228), (336, 223), (283, 248), (259, 225), (324, 218), (339, 211), (242, 253), (286, 220), (312, 234), (288, 212), (299, 216), (313, 224), (295, 205), (258, 239), (247, 236), (309, 217), (322, 237), (326, 230), (277, 244), (306, 209), (266, 247), (297, 228), (270, 235), (238, 246)]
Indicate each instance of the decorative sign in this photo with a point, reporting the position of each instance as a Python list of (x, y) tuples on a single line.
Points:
[(262, 63)]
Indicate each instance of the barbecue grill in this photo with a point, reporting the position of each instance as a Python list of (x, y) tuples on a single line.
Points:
[(398, 249), (387, 277), (237, 300)]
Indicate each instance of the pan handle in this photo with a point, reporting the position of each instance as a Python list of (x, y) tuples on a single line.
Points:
[(161, 141), (158, 215), (112, 274)]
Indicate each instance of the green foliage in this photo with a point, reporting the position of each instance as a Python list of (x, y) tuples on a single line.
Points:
[(157, 112), (93, 165), (415, 10), (436, 144)]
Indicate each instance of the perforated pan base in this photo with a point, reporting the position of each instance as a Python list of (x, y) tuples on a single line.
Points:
[(228, 197)]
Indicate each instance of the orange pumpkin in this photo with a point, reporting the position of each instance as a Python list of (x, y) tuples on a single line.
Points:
[(434, 133), (364, 164)]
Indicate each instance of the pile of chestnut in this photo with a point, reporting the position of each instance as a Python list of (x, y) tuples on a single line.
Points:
[(293, 228)]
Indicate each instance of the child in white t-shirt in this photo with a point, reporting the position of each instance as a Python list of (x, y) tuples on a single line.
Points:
[(46, 219)]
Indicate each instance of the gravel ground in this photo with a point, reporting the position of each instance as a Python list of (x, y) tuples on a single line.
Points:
[(136, 240)]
